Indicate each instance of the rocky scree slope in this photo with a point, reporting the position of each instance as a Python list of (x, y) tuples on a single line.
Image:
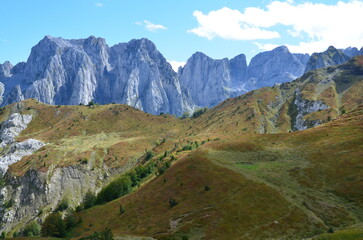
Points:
[(13, 151)]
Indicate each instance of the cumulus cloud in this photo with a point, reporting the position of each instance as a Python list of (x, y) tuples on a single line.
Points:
[(229, 24), (151, 27), (175, 65), (315, 25), (99, 4)]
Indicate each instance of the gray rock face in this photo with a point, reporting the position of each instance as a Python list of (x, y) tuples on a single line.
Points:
[(45, 190), (276, 66), (35, 190), (351, 52), (12, 127), (12, 151), (331, 56), (17, 151), (305, 107), (71, 72), (141, 77), (211, 81), (2, 90), (18, 68), (5, 69), (15, 95)]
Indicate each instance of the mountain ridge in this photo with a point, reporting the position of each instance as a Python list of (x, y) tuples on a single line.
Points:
[(77, 71)]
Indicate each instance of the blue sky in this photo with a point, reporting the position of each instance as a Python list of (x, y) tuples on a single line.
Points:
[(219, 28)]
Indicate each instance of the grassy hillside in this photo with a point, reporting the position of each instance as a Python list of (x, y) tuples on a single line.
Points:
[(271, 186), (215, 176), (116, 135), (354, 232), (103, 135), (272, 109)]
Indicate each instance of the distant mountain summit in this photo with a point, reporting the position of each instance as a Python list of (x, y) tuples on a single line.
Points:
[(211, 81), (275, 66), (352, 51), (331, 56)]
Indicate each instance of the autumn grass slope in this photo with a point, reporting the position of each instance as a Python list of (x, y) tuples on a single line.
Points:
[(272, 186)]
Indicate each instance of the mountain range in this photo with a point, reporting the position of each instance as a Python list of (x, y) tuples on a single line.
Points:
[(72, 72), (273, 149)]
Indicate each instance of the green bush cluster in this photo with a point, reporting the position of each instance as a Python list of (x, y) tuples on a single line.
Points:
[(2, 182), (149, 155), (117, 188), (63, 205), (9, 204), (89, 200), (139, 173), (104, 235), (172, 202), (83, 160), (55, 226), (163, 167), (32, 229), (199, 112), (185, 115), (191, 146)]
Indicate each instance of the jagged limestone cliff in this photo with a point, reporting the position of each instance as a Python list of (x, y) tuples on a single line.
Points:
[(72, 72)]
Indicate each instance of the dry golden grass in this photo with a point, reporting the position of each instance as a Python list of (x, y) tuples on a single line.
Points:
[(291, 185)]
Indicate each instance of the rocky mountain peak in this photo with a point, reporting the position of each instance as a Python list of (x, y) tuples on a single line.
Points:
[(276, 66), (331, 56), (351, 51), (5, 69), (18, 68), (281, 49), (211, 81), (92, 41), (141, 44), (198, 55), (331, 49)]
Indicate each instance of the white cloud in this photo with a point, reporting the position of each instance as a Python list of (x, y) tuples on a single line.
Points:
[(99, 4), (151, 27), (228, 24), (175, 65), (316, 25)]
